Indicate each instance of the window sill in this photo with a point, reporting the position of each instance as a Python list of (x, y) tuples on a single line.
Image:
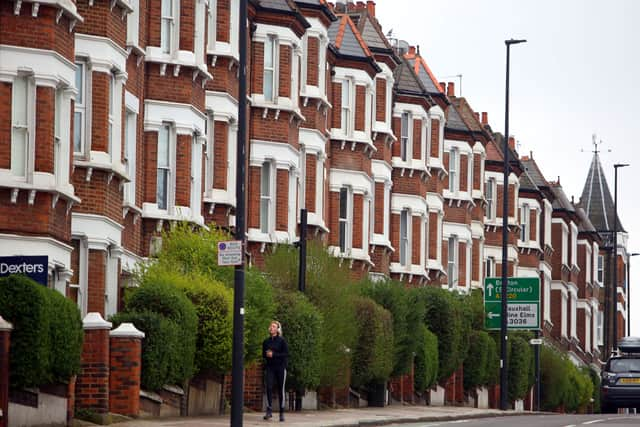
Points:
[(314, 220), (282, 104), (412, 269), (381, 240), (352, 254), (113, 169), (179, 58), (177, 213), (220, 197), (131, 208), (223, 49), (42, 182)]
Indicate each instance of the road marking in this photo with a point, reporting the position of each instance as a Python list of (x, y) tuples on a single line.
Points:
[(571, 425), (592, 422)]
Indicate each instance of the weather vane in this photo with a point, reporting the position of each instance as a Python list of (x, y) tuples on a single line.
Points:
[(596, 144)]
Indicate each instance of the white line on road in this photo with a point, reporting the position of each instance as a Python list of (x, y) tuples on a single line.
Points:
[(571, 425), (592, 422)]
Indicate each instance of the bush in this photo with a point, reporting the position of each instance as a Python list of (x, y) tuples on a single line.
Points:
[(493, 363), (444, 318), (66, 334), (302, 328), (331, 291), (159, 293), (213, 303), (519, 363), (162, 351), (580, 389), (476, 364), (373, 353), (395, 298), (24, 303), (595, 380), (554, 380), (426, 361), (261, 308)]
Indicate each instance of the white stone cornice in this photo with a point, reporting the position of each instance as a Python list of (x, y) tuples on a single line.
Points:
[(283, 154), (103, 53), (185, 117), (48, 67), (223, 106)]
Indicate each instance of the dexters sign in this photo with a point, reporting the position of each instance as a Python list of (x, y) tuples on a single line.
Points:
[(34, 267), (523, 303)]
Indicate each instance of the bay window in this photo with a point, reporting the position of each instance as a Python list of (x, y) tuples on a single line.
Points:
[(80, 113), (405, 224), (524, 223), (490, 195), (266, 197), (270, 80), (454, 179), (347, 119), (344, 219), (404, 136), (23, 94), (163, 167), (452, 264)]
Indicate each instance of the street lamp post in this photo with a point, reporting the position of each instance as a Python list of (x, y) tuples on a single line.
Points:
[(237, 349), (505, 225), (629, 292), (614, 291)]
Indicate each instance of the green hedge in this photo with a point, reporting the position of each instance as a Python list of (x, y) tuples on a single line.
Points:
[(159, 293), (519, 364), (493, 363), (24, 303), (426, 361), (162, 351), (395, 298), (554, 379), (260, 310), (373, 353), (595, 381), (443, 316), (67, 335), (302, 328), (476, 364), (213, 303)]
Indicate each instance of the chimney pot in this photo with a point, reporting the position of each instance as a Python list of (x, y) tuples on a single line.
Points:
[(451, 89), (512, 143), (485, 118), (443, 87), (371, 7), (360, 5), (412, 50), (477, 116)]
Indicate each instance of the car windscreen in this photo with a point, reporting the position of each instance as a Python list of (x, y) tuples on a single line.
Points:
[(624, 365)]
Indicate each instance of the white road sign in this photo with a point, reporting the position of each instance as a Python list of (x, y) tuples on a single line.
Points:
[(230, 253)]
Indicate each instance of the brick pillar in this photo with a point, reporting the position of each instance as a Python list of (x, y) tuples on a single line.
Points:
[(126, 366), (5, 341), (92, 384)]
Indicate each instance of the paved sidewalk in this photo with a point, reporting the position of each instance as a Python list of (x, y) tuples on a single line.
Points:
[(335, 418)]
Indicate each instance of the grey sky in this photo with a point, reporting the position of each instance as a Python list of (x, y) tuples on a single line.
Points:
[(577, 75)]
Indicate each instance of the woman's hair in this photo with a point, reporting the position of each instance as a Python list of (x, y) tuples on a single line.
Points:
[(278, 325)]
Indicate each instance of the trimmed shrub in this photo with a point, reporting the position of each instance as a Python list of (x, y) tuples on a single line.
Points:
[(394, 297), (159, 293), (302, 328), (580, 389), (66, 334), (162, 351), (443, 317), (373, 353), (595, 380), (554, 379), (213, 303), (24, 303), (493, 363), (426, 361), (476, 363), (519, 363)]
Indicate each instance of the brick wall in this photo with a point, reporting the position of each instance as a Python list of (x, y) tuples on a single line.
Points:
[(97, 279), (311, 187), (417, 139), (223, 21), (416, 238), (464, 172), (435, 138), (346, 158), (101, 20), (282, 199), (126, 367), (183, 170), (92, 386), (221, 155), (5, 120), (284, 73), (360, 107), (313, 51), (381, 100)]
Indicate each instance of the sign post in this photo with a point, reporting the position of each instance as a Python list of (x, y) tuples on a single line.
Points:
[(523, 303), (230, 253)]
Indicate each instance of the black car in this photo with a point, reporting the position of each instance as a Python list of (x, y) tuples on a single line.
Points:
[(620, 386)]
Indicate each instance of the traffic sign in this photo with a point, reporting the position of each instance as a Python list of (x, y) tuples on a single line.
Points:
[(523, 303), (230, 252)]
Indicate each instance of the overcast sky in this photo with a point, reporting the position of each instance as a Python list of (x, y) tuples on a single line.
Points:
[(577, 75)]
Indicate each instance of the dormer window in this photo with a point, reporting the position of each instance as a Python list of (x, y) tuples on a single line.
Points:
[(270, 69)]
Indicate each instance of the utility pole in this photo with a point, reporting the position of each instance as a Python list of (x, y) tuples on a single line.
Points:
[(237, 368), (302, 271)]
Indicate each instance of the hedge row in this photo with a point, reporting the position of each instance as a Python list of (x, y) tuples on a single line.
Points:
[(46, 343), (565, 385)]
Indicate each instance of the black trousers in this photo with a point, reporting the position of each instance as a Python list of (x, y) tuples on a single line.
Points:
[(275, 377)]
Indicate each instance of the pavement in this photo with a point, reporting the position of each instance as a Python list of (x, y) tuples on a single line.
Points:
[(369, 417)]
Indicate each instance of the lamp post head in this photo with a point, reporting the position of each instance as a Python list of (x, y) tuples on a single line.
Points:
[(634, 254), (620, 165), (514, 41)]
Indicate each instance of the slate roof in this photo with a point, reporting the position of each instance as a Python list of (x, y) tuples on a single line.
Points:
[(561, 200), (372, 34), (531, 168), (526, 182), (347, 39), (286, 5), (584, 225), (596, 198), (424, 73), (406, 80), (454, 120), (467, 114)]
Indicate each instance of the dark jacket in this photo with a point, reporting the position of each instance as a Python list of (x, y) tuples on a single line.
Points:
[(280, 351)]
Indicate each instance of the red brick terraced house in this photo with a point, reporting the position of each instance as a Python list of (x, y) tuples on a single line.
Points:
[(119, 119)]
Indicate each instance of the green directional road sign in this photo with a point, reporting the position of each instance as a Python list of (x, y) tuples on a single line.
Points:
[(523, 303)]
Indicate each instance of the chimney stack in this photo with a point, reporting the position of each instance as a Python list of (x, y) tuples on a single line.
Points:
[(443, 87), (485, 118), (512, 143), (371, 7), (360, 5), (412, 50), (451, 89), (477, 116)]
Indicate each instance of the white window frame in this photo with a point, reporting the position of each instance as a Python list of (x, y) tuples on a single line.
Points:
[(600, 328), (24, 126), (347, 116), (490, 267), (564, 300), (525, 227), (302, 180), (169, 188), (490, 197), (212, 25), (133, 24), (199, 42), (111, 115), (600, 274), (272, 42), (405, 237), (454, 170), (405, 136), (320, 184), (588, 259), (565, 245), (82, 131), (345, 220), (587, 329), (574, 313), (169, 36), (267, 196), (130, 147), (58, 149), (452, 261), (196, 176), (574, 244), (425, 224)]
